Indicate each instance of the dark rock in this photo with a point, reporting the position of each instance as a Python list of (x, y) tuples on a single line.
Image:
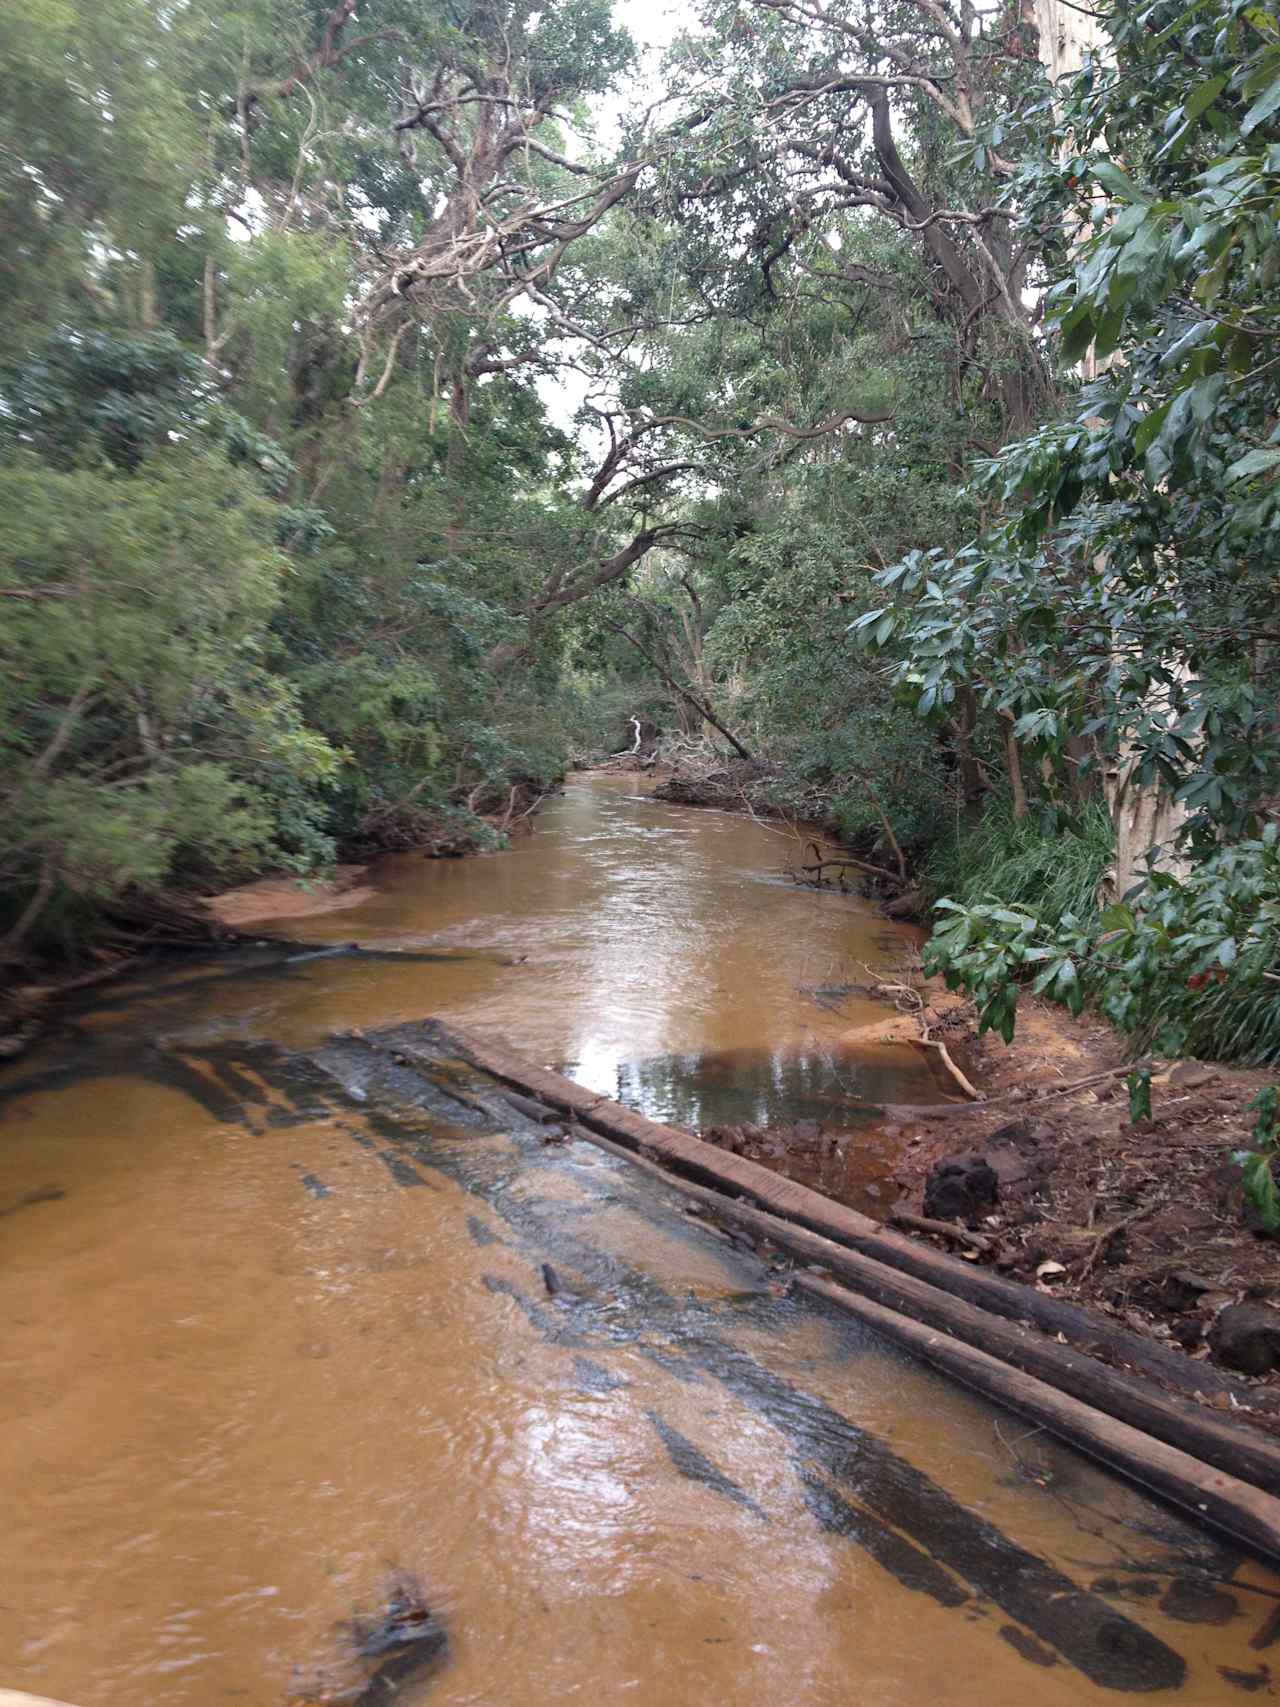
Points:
[(1247, 1337), (908, 906), (408, 1640), (1198, 1603), (961, 1188)]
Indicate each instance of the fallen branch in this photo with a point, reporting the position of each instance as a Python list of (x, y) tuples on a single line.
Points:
[(820, 864), (942, 1230), (945, 1057), (684, 692), (944, 1110)]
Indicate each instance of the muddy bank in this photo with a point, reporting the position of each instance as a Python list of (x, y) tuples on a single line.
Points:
[(281, 898), (1144, 1221)]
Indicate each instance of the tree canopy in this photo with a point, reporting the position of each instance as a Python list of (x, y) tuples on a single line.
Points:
[(383, 424)]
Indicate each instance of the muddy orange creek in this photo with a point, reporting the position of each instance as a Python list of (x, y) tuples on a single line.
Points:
[(303, 1358)]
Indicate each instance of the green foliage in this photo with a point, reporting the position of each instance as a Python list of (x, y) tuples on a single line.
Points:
[(1046, 862), (1258, 1163), (1125, 595), (1161, 966), (141, 740), (1138, 1084)]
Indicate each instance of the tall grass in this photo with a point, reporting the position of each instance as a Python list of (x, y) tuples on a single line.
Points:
[(1050, 871), (1239, 1026)]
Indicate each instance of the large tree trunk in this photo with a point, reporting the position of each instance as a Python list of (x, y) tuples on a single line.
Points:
[(1145, 817)]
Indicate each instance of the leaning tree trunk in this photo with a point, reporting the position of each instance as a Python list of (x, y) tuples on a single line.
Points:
[(1145, 817)]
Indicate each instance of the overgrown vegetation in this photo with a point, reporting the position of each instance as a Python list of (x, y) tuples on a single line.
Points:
[(382, 427), (1048, 861)]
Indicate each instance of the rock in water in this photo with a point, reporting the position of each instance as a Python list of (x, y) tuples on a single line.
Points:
[(407, 1641)]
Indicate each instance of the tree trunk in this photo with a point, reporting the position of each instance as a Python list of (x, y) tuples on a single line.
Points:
[(1145, 817), (676, 687), (1013, 763), (972, 783), (1146, 820)]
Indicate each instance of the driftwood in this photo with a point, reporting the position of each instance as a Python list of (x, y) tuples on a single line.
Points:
[(1210, 1495), (818, 865), (973, 1325), (1178, 1421)]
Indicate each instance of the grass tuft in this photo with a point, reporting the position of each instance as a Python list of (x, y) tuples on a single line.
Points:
[(1049, 870)]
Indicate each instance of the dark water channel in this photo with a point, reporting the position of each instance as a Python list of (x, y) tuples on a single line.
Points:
[(279, 1336)]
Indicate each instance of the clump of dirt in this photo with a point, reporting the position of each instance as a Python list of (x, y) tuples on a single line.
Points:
[(1145, 1220)]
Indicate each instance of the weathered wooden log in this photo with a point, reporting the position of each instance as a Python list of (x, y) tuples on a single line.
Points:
[(1179, 1422), (694, 1159), (1209, 1495)]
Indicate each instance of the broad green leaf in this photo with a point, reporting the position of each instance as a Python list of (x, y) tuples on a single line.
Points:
[(1254, 462), (1262, 109)]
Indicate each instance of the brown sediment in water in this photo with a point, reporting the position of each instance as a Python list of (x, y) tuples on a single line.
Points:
[(286, 1337), (283, 899)]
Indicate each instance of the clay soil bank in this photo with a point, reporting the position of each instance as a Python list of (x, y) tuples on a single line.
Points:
[(1144, 1221)]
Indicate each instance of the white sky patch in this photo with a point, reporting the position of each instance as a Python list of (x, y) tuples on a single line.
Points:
[(653, 27)]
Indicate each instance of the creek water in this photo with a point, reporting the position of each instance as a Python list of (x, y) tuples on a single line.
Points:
[(278, 1336)]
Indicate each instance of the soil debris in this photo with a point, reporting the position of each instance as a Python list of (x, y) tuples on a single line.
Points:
[(1147, 1219)]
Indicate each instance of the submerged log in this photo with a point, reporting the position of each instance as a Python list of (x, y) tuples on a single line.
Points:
[(1227, 1475), (1179, 1422), (691, 1158), (1209, 1495)]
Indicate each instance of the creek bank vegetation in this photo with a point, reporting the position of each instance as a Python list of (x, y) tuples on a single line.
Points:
[(889, 401)]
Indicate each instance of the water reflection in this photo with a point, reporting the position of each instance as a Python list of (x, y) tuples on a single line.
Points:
[(730, 1087)]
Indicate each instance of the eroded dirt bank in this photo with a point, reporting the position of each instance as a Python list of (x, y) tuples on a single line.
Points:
[(1145, 1221)]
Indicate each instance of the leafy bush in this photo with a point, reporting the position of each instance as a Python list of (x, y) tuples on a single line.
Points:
[(1187, 966)]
